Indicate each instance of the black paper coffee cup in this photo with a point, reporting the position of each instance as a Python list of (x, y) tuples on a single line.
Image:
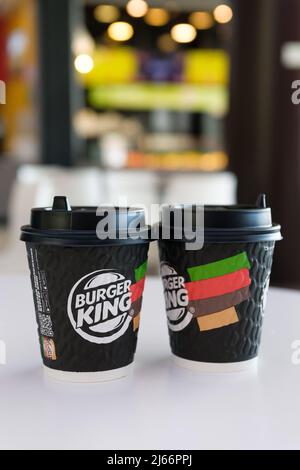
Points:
[(215, 296), (87, 290)]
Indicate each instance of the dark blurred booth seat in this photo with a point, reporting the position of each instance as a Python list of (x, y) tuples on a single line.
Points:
[(264, 124)]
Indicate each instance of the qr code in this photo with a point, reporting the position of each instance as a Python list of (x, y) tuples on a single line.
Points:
[(45, 323)]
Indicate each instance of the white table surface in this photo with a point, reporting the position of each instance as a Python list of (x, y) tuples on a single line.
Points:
[(160, 406)]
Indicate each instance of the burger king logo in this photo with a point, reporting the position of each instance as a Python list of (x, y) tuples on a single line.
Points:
[(176, 298), (99, 306)]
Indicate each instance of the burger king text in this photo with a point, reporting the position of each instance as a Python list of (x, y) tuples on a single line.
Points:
[(175, 292), (100, 303)]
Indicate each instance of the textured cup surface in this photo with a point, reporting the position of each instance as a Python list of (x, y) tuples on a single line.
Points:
[(88, 302), (215, 299)]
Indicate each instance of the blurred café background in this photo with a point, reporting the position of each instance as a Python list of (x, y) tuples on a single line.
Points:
[(157, 101)]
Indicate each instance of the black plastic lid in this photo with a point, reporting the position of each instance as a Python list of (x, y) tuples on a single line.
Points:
[(235, 223), (62, 224)]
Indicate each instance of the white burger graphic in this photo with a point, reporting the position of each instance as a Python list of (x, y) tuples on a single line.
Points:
[(99, 306), (176, 298)]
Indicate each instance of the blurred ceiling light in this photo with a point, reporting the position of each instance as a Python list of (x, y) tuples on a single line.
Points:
[(201, 20), (166, 44), (106, 13), (17, 43), (120, 31), (223, 14), (157, 17), (137, 8), (82, 43), (183, 33), (84, 63)]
